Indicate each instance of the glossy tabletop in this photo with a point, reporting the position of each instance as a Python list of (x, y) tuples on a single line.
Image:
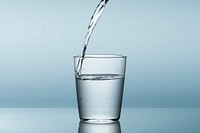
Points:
[(133, 120)]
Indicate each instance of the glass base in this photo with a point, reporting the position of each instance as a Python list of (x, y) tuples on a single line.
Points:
[(99, 121)]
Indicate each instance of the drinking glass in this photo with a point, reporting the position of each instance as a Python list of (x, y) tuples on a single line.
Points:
[(99, 87)]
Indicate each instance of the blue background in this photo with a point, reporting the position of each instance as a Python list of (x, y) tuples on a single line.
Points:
[(161, 38)]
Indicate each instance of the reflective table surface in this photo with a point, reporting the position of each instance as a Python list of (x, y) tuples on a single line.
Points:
[(133, 120)]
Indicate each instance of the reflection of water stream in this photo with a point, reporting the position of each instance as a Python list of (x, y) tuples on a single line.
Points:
[(85, 127)]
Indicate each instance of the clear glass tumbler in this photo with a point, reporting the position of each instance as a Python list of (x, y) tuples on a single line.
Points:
[(99, 87)]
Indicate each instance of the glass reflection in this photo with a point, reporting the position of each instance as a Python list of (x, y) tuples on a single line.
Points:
[(85, 127)]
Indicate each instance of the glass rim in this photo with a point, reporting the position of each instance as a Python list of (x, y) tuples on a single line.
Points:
[(101, 56)]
